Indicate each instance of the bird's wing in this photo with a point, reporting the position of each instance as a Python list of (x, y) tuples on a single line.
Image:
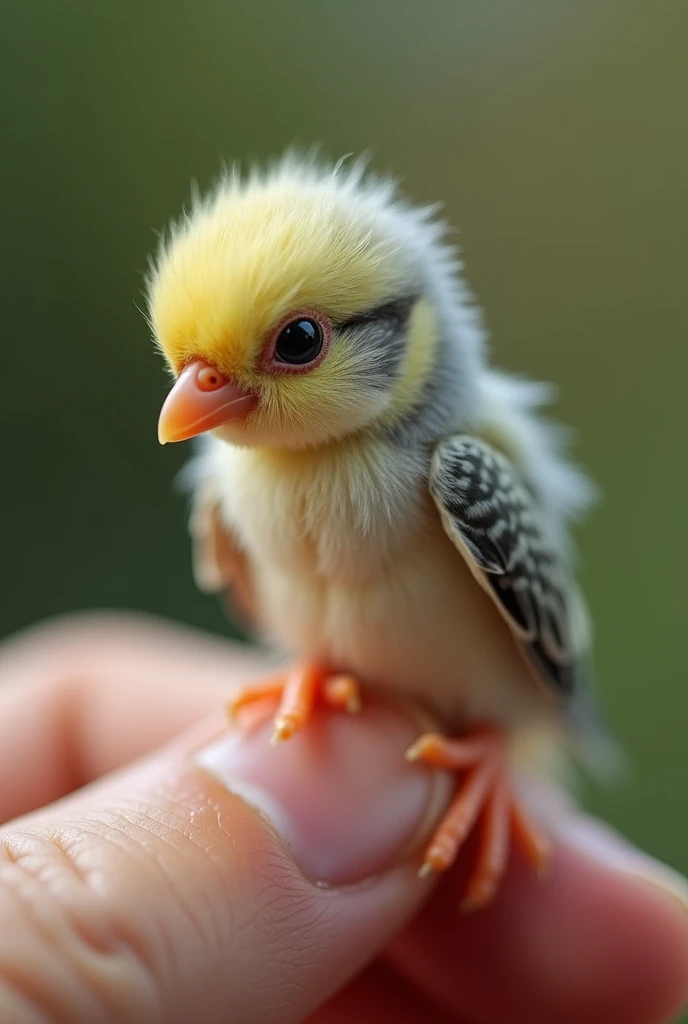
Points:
[(219, 564), (497, 525)]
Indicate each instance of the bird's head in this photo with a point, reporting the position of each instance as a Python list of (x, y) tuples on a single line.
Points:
[(292, 308)]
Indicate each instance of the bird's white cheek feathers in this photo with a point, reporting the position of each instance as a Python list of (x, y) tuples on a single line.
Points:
[(273, 424), (313, 409)]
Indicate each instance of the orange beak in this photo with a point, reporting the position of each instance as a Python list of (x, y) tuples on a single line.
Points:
[(201, 399)]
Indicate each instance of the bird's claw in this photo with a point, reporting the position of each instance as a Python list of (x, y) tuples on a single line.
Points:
[(295, 694)]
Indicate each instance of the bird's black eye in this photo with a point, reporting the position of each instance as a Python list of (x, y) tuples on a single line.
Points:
[(300, 342)]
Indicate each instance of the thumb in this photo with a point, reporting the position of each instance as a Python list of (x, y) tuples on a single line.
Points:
[(226, 880)]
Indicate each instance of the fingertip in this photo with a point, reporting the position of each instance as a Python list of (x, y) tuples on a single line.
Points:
[(592, 942), (339, 791), (647, 909), (216, 886), (606, 846)]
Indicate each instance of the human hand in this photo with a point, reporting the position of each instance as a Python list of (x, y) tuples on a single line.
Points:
[(156, 893)]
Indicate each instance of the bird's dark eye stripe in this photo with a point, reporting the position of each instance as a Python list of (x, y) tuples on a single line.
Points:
[(395, 312)]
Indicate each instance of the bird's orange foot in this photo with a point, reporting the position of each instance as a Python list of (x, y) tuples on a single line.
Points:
[(294, 693), (486, 795)]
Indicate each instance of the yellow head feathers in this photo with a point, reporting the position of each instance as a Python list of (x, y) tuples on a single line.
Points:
[(254, 251), (299, 238)]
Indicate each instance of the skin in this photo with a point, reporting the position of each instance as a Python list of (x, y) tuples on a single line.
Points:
[(157, 893)]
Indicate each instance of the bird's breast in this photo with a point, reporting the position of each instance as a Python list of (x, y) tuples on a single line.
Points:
[(350, 565), (338, 515), (419, 626)]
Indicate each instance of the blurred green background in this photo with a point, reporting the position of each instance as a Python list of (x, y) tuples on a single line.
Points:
[(556, 134)]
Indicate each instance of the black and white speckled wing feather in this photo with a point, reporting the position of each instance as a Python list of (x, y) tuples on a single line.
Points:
[(495, 521)]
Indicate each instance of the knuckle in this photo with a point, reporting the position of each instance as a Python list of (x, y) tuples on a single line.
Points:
[(67, 636), (64, 953)]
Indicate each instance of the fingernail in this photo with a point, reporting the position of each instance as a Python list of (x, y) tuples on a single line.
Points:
[(605, 845), (340, 793)]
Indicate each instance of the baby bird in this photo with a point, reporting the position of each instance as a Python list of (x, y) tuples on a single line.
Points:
[(381, 503)]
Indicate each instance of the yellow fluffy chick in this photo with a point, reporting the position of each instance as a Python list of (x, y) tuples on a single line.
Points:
[(383, 505)]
